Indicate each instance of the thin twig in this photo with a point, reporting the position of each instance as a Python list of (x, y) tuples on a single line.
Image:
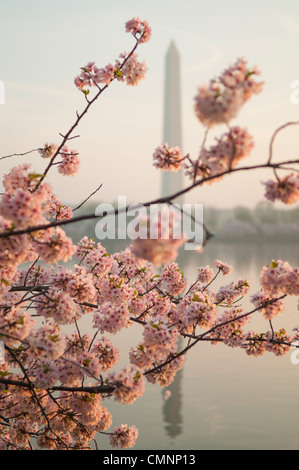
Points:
[(291, 123), (19, 154), (85, 200)]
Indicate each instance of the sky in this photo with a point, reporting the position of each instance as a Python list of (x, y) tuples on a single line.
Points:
[(44, 44)]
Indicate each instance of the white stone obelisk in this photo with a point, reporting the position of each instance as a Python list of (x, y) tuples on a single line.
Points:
[(172, 133)]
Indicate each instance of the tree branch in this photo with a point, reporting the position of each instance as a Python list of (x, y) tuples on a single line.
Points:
[(161, 200)]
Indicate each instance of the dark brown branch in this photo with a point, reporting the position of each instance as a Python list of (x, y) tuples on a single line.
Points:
[(91, 389), (161, 200), (85, 200), (67, 136), (202, 337), (19, 154)]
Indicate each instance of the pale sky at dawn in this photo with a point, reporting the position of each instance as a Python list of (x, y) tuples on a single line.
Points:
[(44, 44)]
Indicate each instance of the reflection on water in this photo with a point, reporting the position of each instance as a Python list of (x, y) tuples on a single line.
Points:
[(223, 399), (172, 411), (243, 257)]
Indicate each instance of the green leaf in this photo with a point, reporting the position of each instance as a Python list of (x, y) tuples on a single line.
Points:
[(117, 72), (273, 264), (54, 338), (137, 377), (35, 176)]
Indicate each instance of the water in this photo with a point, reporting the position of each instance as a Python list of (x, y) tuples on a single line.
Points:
[(222, 399)]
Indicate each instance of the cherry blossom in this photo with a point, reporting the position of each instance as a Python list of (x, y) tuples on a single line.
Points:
[(123, 436), (138, 28), (132, 71), (220, 101), (271, 309), (230, 148), (70, 162), (285, 189), (278, 343), (168, 158), (129, 384), (205, 274), (173, 279), (279, 278), (223, 267), (48, 151)]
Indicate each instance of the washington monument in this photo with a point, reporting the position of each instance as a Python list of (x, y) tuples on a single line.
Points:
[(172, 132)]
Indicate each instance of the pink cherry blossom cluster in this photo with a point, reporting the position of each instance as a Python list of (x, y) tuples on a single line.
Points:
[(127, 292), (279, 278), (231, 292), (231, 329), (230, 148), (48, 340), (91, 75), (17, 178), (205, 274), (198, 308), (54, 246), (70, 162), (139, 29), (278, 343), (111, 318), (19, 204), (168, 158), (220, 101), (223, 267), (128, 384), (13, 250), (285, 189), (128, 69), (48, 151), (123, 436), (268, 308), (57, 210), (174, 281), (157, 251), (160, 237), (255, 344)]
